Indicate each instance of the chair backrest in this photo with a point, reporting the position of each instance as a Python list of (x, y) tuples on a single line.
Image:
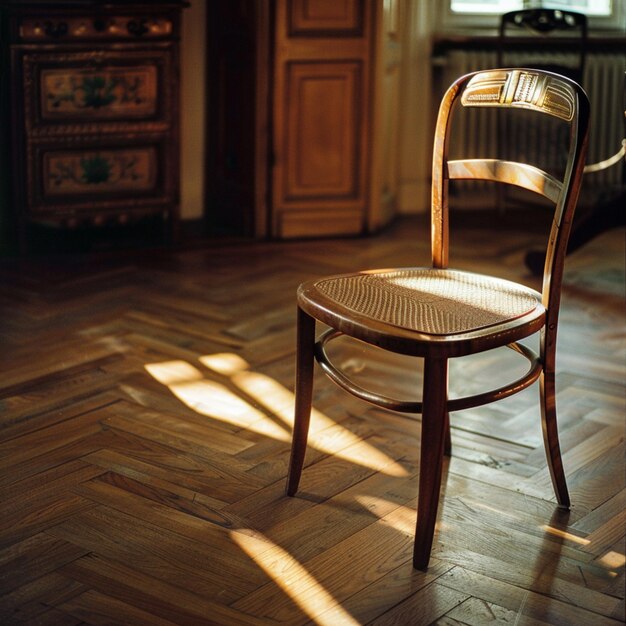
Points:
[(530, 90), (541, 25)]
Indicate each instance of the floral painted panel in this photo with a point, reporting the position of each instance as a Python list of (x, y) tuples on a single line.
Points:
[(100, 171), (107, 93)]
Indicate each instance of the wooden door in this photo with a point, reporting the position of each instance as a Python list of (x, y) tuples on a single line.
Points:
[(238, 42), (322, 117)]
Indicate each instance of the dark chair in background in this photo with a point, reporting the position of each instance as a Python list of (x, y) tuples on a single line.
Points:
[(540, 25), (438, 313), (552, 40)]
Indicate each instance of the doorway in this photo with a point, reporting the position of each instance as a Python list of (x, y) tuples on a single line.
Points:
[(238, 90)]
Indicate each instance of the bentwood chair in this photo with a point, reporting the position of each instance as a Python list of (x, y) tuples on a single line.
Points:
[(531, 31), (438, 313)]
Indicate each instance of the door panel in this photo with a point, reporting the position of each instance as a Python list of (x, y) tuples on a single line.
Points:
[(322, 133), (328, 17)]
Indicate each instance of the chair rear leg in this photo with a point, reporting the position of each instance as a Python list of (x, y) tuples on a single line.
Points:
[(305, 343), (447, 445), (434, 411), (547, 391)]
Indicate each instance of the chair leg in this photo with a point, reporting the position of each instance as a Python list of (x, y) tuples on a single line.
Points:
[(303, 396), (434, 412), (447, 445), (547, 391)]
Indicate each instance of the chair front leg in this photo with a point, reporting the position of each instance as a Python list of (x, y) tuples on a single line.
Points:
[(305, 343), (434, 413), (547, 391)]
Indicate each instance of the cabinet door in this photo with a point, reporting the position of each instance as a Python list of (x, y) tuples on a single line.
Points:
[(321, 138)]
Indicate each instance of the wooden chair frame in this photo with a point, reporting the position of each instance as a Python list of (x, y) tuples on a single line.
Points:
[(536, 90)]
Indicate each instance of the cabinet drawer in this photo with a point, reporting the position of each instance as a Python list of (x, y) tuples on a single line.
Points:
[(91, 178), (99, 172), (107, 93), (109, 90)]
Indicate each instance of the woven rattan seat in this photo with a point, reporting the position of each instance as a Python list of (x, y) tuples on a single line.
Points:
[(434, 302), (438, 313)]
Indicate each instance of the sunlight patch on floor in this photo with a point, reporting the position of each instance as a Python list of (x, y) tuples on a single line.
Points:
[(216, 400), (613, 559), (562, 534), (225, 363), (280, 402), (295, 580), (173, 372), (402, 518)]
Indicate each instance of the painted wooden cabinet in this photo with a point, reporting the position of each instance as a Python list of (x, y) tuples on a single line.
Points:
[(93, 111)]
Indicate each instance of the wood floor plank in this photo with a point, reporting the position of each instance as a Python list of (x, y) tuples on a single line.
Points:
[(52, 437), (40, 554), (46, 406), (585, 452), (202, 431), (55, 480), (423, 607), (475, 612), (29, 520), (24, 378), (151, 548), (157, 464), (153, 474), (53, 457), (606, 511), (522, 602), (546, 578), (606, 535), (319, 527), (596, 482), (97, 608), (165, 510), (270, 505), (30, 600), (374, 551), (149, 593), (391, 590)]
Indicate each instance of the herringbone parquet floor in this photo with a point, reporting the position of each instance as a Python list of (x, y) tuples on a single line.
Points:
[(144, 434)]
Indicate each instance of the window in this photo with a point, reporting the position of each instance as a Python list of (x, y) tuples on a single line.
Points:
[(476, 14), (590, 7)]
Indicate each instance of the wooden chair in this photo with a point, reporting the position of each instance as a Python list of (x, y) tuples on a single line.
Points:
[(438, 313), (534, 30)]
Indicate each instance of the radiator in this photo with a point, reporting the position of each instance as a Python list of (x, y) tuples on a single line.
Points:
[(604, 82)]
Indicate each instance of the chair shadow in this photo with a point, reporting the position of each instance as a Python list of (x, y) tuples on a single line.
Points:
[(547, 562)]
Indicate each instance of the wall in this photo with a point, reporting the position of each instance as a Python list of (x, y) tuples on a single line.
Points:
[(417, 120)]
